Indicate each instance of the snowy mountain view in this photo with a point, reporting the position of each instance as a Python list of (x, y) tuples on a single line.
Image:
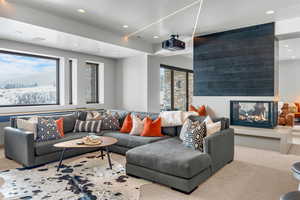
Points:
[(27, 80)]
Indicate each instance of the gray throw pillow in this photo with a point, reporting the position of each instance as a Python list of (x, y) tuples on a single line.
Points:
[(69, 122), (194, 135), (88, 126), (47, 130)]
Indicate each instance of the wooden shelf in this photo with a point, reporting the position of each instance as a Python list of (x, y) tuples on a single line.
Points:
[(281, 133)]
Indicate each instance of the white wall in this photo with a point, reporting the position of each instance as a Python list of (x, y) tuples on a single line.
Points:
[(131, 78), (109, 73), (289, 80), (138, 81)]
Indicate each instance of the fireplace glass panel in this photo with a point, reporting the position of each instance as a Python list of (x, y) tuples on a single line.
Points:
[(256, 113)]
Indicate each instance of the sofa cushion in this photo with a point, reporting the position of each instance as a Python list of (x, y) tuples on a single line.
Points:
[(131, 141), (171, 157), (170, 131), (42, 148)]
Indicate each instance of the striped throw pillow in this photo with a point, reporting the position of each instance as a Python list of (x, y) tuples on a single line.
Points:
[(88, 126)]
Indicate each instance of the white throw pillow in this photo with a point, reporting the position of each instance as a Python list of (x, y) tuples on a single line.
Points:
[(171, 118), (184, 129), (29, 125), (93, 115), (212, 128), (208, 120), (137, 126), (185, 115)]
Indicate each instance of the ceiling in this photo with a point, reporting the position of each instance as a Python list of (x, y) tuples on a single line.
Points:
[(23, 32), (112, 15), (216, 15)]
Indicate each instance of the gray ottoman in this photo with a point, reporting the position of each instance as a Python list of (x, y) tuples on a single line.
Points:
[(170, 163), (291, 196)]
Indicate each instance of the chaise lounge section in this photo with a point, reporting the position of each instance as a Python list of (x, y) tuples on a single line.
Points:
[(170, 163)]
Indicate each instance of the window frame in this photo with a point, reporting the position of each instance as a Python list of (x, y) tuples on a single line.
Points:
[(187, 71), (97, 83), (70, 64), (57, 77)]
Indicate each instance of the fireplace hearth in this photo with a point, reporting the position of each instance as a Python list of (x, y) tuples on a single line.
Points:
[(261, 114)]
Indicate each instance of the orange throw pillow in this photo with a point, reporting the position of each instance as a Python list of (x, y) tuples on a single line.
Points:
[(152, 128), (127, 124), (201, 110), (60, 126)]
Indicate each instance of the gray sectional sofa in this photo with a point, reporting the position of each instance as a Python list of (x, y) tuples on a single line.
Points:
[(159, 159)]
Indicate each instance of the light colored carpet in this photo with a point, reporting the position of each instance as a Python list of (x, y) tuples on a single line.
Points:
[(254, 175)]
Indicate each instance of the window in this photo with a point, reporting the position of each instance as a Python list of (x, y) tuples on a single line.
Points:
[(165, 89), (92, 80), (70, 82), (176, 88), (28, 80)]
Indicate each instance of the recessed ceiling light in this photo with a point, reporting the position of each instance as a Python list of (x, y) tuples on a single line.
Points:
[(81, 10), (290, 50), (125, 26), (270, 12), (155, 37), (286, 46), (293, 57)]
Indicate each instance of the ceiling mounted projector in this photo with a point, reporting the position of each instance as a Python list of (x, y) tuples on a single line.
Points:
[(173, 44)]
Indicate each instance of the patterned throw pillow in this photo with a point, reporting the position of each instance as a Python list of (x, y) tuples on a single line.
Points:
[(47, 130), (193, 137), (93, 115), (110, 122), (88, 126)]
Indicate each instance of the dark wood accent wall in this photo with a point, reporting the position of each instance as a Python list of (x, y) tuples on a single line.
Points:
[(239, 62)]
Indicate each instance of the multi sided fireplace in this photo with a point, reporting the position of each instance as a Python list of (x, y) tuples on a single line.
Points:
[(254, 113)]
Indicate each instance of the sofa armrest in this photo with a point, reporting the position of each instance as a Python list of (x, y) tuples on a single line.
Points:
[(220, 147), (19, 146)]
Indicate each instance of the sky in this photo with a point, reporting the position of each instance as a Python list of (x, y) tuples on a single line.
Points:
[(26, 70)]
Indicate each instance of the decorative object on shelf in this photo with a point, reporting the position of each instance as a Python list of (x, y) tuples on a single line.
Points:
[(286, 118)]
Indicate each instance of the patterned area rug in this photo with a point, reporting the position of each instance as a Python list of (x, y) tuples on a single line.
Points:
[(87, 178)]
